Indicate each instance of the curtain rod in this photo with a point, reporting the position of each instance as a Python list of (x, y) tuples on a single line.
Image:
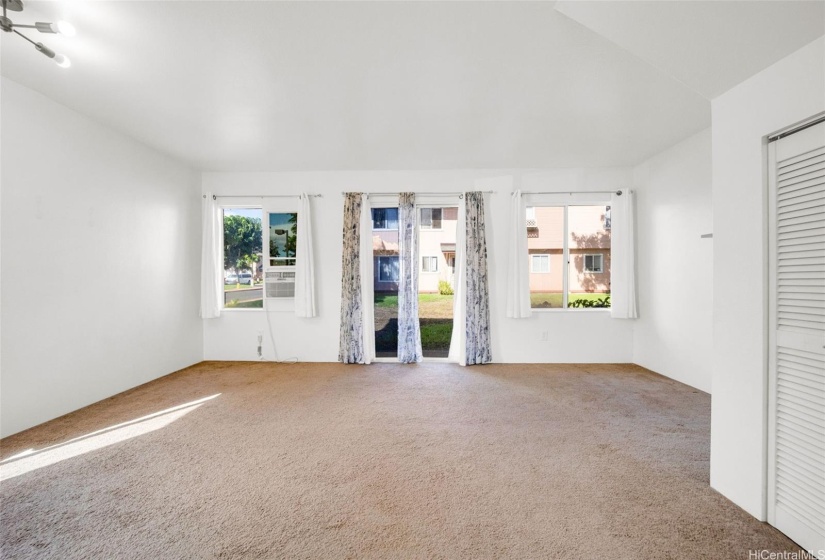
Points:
[(217, 196), (617, 193), (459, 194)]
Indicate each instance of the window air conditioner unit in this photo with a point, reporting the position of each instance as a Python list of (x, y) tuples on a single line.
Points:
[(280, 284)]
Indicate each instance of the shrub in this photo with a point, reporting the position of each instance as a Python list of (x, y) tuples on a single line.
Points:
[(600, 302), (444, 288)]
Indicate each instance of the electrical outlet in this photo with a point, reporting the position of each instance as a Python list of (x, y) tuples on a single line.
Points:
[(545, 336)]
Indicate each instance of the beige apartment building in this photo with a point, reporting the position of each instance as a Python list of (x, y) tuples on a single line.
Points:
[(588, 245), (436, 248)]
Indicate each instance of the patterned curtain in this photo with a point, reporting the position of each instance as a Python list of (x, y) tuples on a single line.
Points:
[(477, 297), (409, 333), (351, 345)]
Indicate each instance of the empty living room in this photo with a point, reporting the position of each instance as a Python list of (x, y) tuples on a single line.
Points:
[(413, 279)]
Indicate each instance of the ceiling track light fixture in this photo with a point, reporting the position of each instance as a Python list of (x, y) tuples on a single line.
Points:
[(61, 27)]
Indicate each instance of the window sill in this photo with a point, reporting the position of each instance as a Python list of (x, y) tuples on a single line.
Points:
[(570, 310)]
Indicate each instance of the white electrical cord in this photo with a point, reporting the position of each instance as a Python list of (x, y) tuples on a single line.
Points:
[(291, 360)]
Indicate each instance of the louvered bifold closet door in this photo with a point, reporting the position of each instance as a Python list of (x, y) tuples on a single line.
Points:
[(796, 481)]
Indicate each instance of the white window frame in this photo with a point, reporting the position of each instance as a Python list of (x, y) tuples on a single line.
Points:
[(380, 269), (227, 204), (601, 263), (423, 227), (434, 260), (384, 208), (532, 263), (556, 203), (269, 258)]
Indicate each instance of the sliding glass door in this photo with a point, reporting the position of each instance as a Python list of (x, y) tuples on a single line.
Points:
[(436, 277), (385, 280)]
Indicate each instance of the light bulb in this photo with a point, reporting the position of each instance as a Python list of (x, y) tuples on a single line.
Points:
[(62, 60), (64, 28)]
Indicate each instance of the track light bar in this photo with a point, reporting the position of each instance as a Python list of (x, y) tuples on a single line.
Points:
[(61, 27), (60, 59)]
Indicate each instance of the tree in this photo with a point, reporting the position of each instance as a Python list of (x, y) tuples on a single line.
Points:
[(241, 241), (290, 234), (291, 240)]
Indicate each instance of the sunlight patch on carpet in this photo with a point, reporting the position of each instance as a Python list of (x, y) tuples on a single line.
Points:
[(33, 459)]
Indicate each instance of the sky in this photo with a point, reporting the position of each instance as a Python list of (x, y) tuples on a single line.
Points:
[(247, 212)]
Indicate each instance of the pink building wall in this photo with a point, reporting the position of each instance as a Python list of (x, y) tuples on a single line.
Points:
[(430, 244), (588, 236)]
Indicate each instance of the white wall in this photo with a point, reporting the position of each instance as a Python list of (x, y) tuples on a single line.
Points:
[(674, 333), (101, 261), (573, 336), (787, 92)]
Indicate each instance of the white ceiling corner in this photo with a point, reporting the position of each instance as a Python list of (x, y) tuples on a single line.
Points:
[(710, 46)]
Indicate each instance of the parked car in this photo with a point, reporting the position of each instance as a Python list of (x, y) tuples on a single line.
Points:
[(231, 278), (245, 278)]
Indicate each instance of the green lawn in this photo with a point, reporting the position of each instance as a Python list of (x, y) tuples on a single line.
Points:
[(436, 336), (391, 300), (253, 304), (436, 319), (233, 287), (553, 299)]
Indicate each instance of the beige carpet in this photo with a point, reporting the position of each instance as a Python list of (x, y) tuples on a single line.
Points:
[(385, 461)]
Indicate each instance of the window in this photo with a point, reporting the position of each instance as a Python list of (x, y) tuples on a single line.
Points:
[(429, 264), (388, 269), (430, 218), (593, 263), (576, 238), (540, 263), (385, 218), (242, 258), (283, 236)]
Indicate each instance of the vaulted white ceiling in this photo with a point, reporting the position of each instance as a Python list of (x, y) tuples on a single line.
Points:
[(253, 86), (710, 46)]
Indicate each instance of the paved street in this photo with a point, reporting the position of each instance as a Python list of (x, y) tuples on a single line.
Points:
[(244, 294)]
